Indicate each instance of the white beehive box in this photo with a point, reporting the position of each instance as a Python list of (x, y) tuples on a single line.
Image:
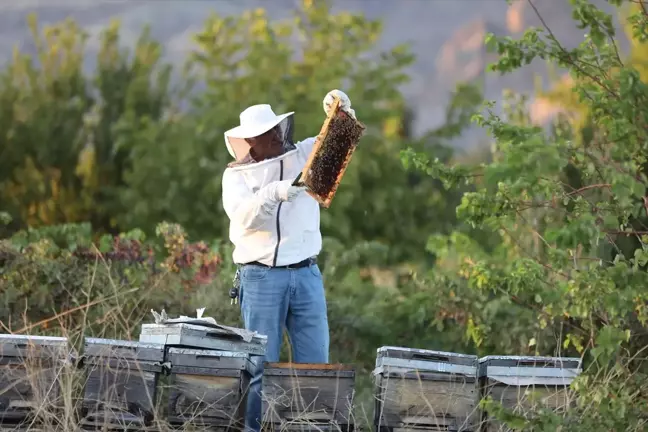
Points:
[(425, 390), (525, 383)]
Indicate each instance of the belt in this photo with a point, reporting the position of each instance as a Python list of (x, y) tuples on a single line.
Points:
[(305, 263)]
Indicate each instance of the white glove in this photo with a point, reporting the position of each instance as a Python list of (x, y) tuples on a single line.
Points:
[(287, 192), (345, 102)]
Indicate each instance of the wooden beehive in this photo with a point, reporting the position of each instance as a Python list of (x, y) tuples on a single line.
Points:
[(331, 154), (208, 388), (307, 396), (30, 372), (425, 390), (525, 383), (121, 382)]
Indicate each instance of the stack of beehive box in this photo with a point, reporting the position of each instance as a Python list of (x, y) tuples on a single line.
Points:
[(179, 374), (210, 371)]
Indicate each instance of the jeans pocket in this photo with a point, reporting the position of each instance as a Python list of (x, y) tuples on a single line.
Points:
[(254, 273), (315, 271)]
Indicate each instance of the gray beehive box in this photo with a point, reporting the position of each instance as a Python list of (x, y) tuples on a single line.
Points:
[(195, 336), (526, 383), (121, 382), (31, 368), (303, 396), (423, 389), (208, 388)]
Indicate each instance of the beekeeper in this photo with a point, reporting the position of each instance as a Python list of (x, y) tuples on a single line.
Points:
[(274, 227)]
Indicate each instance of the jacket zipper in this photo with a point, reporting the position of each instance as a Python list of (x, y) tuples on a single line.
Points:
[(276, 254)]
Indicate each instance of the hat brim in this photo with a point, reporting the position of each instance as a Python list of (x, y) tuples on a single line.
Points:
[(248, 131)]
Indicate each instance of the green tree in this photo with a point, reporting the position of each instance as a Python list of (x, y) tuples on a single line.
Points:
[(561, 281), (43, 111), (63, 158)]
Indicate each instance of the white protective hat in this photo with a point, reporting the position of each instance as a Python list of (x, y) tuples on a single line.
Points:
[(255, 120)]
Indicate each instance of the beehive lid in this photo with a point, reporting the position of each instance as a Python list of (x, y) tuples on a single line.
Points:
[(529, 370), (413, 359), (221, 338), (336, 370), (23, 346), (209, 359), (123, 349)]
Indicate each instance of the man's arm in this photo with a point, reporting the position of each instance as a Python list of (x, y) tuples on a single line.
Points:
[(251, 210), (306, 147)]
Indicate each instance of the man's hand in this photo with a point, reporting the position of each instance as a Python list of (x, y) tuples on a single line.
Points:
[(287, 192), (345, 102)]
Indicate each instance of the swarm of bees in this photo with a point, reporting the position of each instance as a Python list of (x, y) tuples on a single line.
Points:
[(331, 154)]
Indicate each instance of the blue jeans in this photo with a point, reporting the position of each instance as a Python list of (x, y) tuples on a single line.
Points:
[(274, 299)]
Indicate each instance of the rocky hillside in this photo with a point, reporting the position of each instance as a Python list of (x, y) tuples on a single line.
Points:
[(446, 35)]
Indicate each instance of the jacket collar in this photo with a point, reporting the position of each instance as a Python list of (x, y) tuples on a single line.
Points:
[(249, 160)]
